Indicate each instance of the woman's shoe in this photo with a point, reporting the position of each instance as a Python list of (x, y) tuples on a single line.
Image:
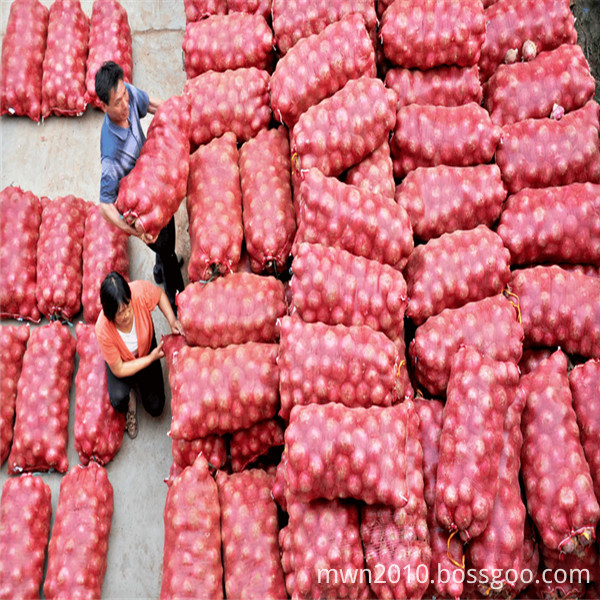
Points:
[(131, 425)]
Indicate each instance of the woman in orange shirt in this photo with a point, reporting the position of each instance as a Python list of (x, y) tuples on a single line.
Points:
[(126, 338)]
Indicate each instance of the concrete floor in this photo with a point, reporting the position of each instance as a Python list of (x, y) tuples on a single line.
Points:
[(62, 156)]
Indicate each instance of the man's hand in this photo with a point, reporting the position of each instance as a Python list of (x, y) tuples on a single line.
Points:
[(177, 327), (112, 215)]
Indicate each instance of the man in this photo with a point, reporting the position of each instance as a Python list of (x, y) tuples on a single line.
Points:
[(121, 141)]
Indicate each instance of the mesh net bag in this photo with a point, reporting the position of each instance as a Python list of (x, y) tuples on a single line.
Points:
[(98, 427), (223, 390), (105, 249), (23, 48), (214, 206), (19, 233), (13, 341), (63, 79), (333, 451), (79, 544), (60, 257), (110, 39), (480, 392), (249, 444), (42, 408), (25, 512), (192, 552), (268, 211), (250, 531)]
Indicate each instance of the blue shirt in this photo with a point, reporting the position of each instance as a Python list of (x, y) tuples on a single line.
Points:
[(119, 147)]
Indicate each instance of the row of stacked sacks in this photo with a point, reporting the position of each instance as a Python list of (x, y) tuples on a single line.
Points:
[(36, 371), (75, 556), (55, 254), (369, 476), (50, 56)]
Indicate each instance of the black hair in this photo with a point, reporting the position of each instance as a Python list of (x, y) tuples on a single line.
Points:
[(114, 291), (107, 79)]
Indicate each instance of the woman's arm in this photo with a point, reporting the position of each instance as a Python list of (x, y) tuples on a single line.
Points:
[(127, 368), (165, 307)]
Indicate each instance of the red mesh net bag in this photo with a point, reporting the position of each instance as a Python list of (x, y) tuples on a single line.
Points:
[(13, 341), (25, 512), (60, 257), (319, 363), (343, 216), (150, 194), (250, 532), (333, 451), (214, 205), (98, 427), (511, 23), (437, 32), (374, 173), (254, 7), (19, 233), (320, 545), (446, 574), (490, 325), (342, 130), (23, 50), (105, 249), (539, 153), (441, 86), (558, 486), (42, 408), (110, 39), (455, 269), (236, 101), (480, 392), (252, 307), (444, 199), (192, 552), (585, 383), (63, 80), (268, 210), (196, 10), (297, 19), (397, 540), (336, 287), (249, 444), (320, 65), (222, 42), (499, 550), (212, 447), (79, 543), (552, 224), (559, 308), (426, 136), (529, 90), (223, 390)]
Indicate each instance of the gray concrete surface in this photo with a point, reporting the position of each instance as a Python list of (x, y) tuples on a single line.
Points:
[(62, 156)]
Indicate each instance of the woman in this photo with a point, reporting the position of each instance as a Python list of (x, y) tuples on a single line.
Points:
[(126, 338)]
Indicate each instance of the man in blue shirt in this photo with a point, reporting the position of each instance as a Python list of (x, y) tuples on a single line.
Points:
[(121, 141)]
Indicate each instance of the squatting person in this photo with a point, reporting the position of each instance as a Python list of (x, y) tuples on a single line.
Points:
[(125, 333)]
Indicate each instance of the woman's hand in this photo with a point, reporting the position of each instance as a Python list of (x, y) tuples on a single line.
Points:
[(158, 352), (177, 327)]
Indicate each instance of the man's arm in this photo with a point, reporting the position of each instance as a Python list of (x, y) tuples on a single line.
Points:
[(113, 216), (154, 104)]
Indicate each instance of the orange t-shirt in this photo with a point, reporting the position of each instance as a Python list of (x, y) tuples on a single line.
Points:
[(144, 299)]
